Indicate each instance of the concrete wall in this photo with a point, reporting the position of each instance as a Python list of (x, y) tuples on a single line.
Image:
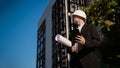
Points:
[(47, 16)]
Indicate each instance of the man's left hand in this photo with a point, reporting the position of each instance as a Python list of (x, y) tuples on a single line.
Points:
[(80, 39)]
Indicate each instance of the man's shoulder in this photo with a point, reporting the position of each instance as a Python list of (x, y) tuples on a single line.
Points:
[(90, 25)]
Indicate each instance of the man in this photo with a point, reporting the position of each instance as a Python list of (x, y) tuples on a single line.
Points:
[(83, 51)]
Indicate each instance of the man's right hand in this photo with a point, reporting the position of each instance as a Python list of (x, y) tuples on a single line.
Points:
[(74, 48)]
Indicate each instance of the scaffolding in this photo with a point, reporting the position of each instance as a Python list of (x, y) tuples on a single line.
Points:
[(61, 24)]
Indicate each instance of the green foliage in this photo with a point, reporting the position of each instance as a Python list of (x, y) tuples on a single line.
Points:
[(103, 13), (106, 15)]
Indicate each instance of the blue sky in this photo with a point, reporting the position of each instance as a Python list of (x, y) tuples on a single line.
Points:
[(18, 32)]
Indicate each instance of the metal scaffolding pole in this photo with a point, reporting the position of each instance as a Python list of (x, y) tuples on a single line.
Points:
[(67, 27), (66, 19)]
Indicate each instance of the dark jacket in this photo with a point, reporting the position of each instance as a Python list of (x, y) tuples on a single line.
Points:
[(86, 56)]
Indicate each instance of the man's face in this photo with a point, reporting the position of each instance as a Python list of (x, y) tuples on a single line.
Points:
[(78, 20)]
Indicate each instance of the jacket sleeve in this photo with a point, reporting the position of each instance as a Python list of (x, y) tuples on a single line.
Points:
[(94, 39)]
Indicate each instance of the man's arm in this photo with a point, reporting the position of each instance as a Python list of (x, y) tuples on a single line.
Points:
[(95, 38)]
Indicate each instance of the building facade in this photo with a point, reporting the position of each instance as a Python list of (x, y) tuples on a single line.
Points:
[(56, 18)]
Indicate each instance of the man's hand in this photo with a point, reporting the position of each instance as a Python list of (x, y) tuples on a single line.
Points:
[(74, 48), (80, 39)]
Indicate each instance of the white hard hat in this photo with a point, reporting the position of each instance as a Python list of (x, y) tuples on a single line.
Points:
[(80, 13)]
